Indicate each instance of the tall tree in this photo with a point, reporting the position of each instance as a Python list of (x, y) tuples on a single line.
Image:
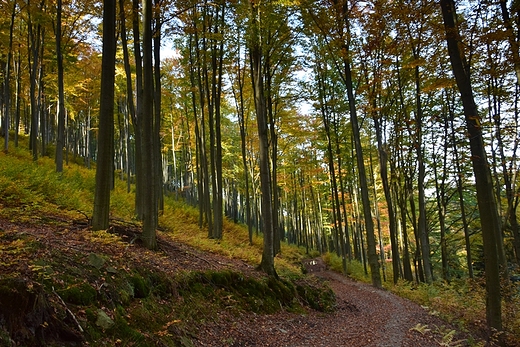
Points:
[(105, 156), (484, 185), (257, 50), (7, 80), (148, 155), (60, 141)]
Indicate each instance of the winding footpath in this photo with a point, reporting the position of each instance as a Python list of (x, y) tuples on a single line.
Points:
[(365, 316)]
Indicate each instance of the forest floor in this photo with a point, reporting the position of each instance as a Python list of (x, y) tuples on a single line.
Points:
[(364, 316)]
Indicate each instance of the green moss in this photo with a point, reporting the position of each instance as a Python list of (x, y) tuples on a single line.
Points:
[(121, 329), (80, 294), (267, 295), (319, 299), (162, 286), (91, 314), (140, 285)]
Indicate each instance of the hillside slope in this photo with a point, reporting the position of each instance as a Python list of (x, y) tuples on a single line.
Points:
[(62, 284)]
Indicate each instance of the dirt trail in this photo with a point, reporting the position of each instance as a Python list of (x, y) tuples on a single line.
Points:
[(365, 316)]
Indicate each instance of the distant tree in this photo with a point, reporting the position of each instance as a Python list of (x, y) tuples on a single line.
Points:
[(7, 80)]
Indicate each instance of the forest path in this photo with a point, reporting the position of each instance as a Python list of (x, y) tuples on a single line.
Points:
[(365, 316)]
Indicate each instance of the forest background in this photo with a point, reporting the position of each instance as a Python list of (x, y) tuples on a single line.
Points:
[(345, 127)]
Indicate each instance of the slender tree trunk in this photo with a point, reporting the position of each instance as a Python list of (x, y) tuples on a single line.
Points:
[(140, 182), (440, 192), (157, 111), (421, 223), (34, 39), (257, 75), (392, 220), (17, 98), (60, 143), (483, 181), (40, 104), (130, 104), (354, 122), (239, 99), (7, 87), (369, 223), (336, 210), (148, 154)]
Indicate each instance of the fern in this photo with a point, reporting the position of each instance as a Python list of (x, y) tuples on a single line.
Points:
[(423, 329)]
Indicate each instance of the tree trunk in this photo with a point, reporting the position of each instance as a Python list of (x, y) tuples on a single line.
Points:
[(483, 181), (140, 182), (17, 98), (7, 87), (130, 104), (392, 220), (104, 171), (421, 223), (60, 141), (257, 75), (369, 223), (34, 62), (148, 154), (159, 179)]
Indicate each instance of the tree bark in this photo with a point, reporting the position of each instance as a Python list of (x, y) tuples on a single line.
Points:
[(257, 75), (60, 141), (392, 220), (104, 171), (483, 181), (148, 154)]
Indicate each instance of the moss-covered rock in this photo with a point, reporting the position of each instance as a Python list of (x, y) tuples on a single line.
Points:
[(319, 299), (257, 295)]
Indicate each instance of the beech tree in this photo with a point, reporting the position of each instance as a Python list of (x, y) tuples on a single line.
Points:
[(483, 182), (104, 171), (257, 53), (146, 120)]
